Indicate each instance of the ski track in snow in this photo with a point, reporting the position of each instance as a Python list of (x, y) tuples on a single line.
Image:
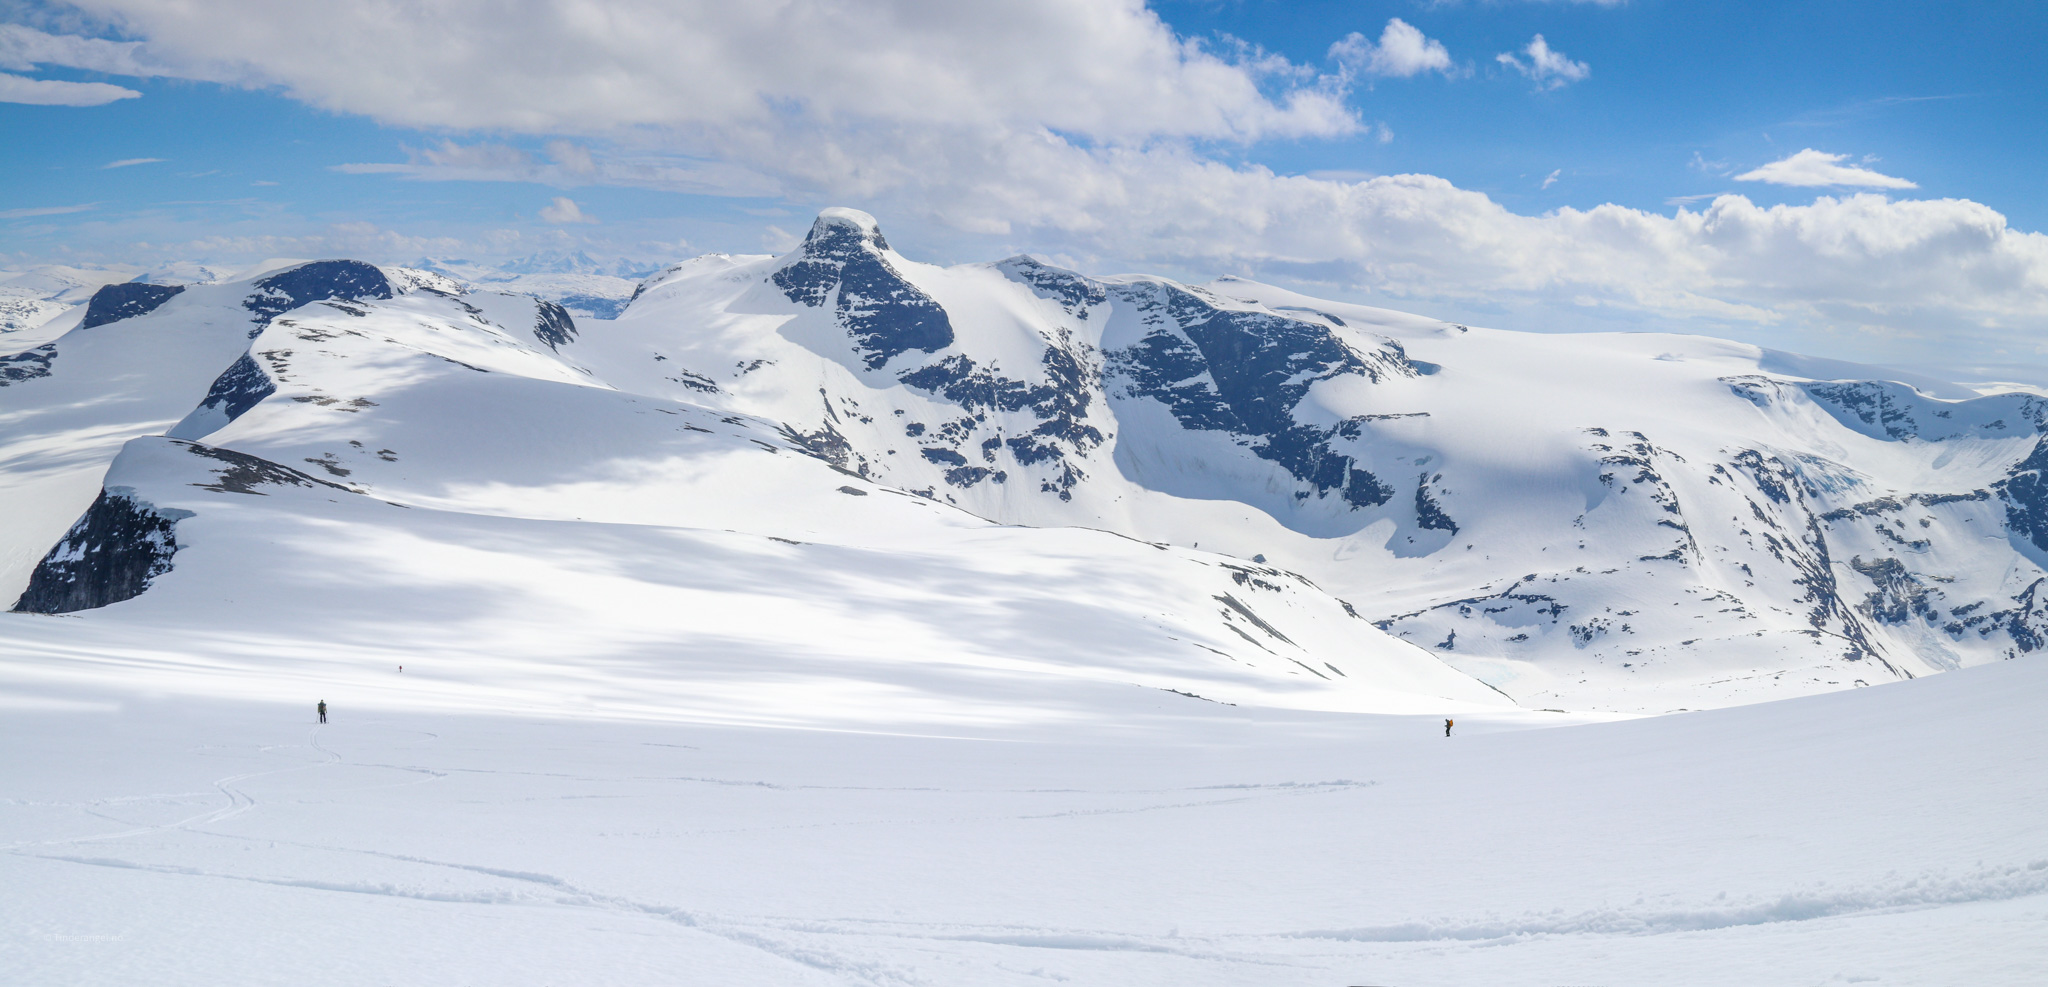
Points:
[(874, 949), (239, 802)]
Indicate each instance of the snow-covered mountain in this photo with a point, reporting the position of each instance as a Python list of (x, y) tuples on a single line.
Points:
[(30, 297), (841, 455), (572, 278), (338, 459), (1665, 520)]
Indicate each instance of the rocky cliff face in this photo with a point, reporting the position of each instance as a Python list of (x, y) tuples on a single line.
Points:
[(110, 555)]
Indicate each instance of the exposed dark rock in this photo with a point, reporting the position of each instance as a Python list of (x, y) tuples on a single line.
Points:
[(242, 473), (115, 302), (1224, 370), (111, 554), (1899, 597), (1889, 410), (238, 388), (841, 261), (553, 325), (827, 444), (695, 381), (1636, 453), (1075, 293), (1060, 404), (347, 280), (1871, 402), (1428, 514), (1257, 621), (967, 476), (2025, 491), (27, 366), (1771, 476), (1537, 603)]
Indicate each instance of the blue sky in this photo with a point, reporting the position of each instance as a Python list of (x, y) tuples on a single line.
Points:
[(1085, 132), (1953, 96)]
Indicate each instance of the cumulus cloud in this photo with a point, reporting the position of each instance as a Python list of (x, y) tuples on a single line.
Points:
[(1106, 70), (1935, 268), (1081, 128), (564, 211), (1402, 51), (1810, 168), (1547, 66), (55, 92)]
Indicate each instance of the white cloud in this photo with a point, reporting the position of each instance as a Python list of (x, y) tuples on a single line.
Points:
[(45, 211), (564, 211), (1072, 128), (129, 162), (1943, 268), (55, 92), (357, 239), (1551, 179), (1402, 51), (1547, 67), (571, 165), (1810, 168), (22, 48), (1102, 70)]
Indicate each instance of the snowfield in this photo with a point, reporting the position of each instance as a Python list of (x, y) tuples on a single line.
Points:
[(836, 618), (185, 822)]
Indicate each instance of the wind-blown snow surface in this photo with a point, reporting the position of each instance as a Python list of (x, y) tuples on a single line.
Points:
[(465, 822)]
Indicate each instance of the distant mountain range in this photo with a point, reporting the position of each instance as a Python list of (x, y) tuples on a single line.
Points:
[(1226, 490)]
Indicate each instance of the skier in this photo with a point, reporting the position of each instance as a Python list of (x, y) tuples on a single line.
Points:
[(1447, 724), (323, 712)]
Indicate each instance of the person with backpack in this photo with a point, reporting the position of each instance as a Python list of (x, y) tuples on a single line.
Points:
[(1447, 724), (323, 712)]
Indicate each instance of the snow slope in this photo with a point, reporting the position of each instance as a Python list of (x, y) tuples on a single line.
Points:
[(1625, 522), (180, 819), (837, 619), (408, 472)]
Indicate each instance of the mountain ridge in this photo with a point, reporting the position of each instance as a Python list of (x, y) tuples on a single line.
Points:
[(1543, 513)]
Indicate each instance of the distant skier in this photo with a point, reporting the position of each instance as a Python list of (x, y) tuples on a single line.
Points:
[(1447, 723), (323, 713)]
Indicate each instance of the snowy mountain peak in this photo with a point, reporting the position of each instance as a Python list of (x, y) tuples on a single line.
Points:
[(1619, 521), (834, 218), (845, 262)]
